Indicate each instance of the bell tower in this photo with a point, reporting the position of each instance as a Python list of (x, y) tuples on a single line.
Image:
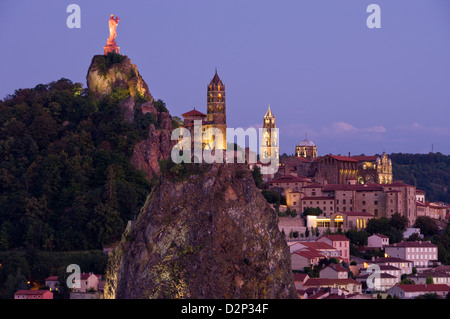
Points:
[(269, 147), (216, 116)]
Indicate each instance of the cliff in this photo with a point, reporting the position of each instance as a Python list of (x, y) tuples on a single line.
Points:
[(209, 235), (112, 72), (107, 72)]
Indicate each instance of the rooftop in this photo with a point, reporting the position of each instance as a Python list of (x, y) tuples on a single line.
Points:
[(290, 179), (330, 281), (31, 292), (424, 287), (193, 112), (412, 244), (336, 237)]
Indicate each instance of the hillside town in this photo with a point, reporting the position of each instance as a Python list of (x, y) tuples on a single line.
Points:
[(326, 196), (350, 229)]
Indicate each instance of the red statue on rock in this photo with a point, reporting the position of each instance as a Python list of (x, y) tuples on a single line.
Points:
[(111, 45)]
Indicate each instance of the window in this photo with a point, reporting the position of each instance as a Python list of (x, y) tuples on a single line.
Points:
[(375, 202), (344, 201), (364, 202)]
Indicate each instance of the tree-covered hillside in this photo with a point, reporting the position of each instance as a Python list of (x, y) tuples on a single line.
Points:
[(65, 177), (428, 172)]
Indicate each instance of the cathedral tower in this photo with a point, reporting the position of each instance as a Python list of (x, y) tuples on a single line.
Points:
[(216, 116), (269, 147)]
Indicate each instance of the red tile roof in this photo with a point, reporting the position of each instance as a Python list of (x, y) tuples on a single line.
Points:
[(424, 287), (335, 237), (330, 281), (318, 198), (413, 244), (317, 245), (371, 158), (383, 260), (337, 268), (31, 292), (194, 112), (342, 158), (310, 254), (382, 275), (357, 187), (300, 277), (315, 185), (381, 235), (290, 179), (398, 183)]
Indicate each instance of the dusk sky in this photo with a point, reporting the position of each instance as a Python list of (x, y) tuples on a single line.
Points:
[(321, 69)]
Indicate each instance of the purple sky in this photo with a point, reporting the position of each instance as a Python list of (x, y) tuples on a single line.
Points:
[(322, 70)]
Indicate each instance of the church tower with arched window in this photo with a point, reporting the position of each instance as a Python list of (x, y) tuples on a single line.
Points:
[(269, 140), (216, 116)]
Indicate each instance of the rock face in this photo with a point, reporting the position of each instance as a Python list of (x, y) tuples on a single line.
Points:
[(211, 235), (105, 74), (158, 145), (108, 72)]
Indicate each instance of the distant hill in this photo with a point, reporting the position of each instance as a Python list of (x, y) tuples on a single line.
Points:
[(429, 172)]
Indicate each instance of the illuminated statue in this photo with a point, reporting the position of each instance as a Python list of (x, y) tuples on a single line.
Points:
[(111, 45), (113, 22)]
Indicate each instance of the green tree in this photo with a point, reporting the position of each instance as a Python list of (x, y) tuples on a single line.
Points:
[(357, 237), (257, 176), (315, 211), (427, 225), (429, 280), (399, 221)]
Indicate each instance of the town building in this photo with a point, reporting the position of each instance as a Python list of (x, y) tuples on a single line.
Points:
[(214, 122), (340, 242), (405, 266), (350, 285), (305, 258), (412, 291), (419, 252), (343, 220), (335, 169), (88, 281), (52, 283), (334, 271), (306, 149), (374, 199), (438, 277), (378, 282), (323, 248), (299, 280), (378, 241), (33, 294)]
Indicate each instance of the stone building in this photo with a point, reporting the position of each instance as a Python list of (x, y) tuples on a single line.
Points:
[(375, 200), (306, 149), (269, 139), (214, 122), (374, 169), (335, 169)]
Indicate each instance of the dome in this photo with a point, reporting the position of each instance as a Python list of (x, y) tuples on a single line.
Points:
[(306, 142)]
